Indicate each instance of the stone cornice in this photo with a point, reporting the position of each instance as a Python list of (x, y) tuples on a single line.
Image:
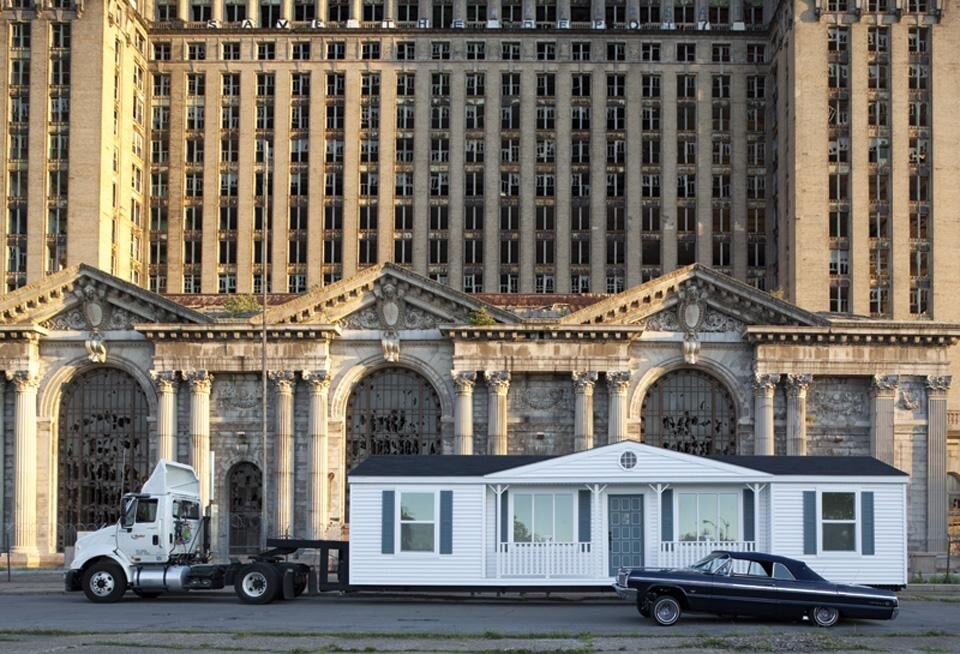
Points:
[(236, 332), (29, 333), (542, 332), (921, 334)]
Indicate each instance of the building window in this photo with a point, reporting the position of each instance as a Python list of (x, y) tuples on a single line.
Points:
[(708, 517), (543, 518), (838, 520), (417, 522)]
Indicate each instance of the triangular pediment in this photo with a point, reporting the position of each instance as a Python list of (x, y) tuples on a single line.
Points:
[(607, 464), (85, 298), (694, 299), (387, 297)]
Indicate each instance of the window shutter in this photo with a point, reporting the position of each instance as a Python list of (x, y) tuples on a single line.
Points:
[(867, 545), (446, 522), (387, 521), (583, 497), (809, 522), (504, 518), (749, 515), (666, 515)]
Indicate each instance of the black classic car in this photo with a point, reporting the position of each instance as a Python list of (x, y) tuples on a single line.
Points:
[(754, 584)]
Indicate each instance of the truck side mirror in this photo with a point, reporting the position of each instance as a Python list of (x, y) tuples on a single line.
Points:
[(129, 512)]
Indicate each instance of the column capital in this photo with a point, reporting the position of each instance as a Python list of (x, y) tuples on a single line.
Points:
[(498, 380), (23, 379), (283, 379), (583, 380), (318, 379), (765, 383), (463, 381), (618, 380), (881, 384), (938, 384), (165, 380), (200, 380), (798, 383)]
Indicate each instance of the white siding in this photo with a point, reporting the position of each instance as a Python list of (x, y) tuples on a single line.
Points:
[(490, 533), (762, 507), (886, 567), (369, 567)]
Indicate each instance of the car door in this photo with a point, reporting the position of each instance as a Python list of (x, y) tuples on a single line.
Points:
[(747, 589), (139, 531)]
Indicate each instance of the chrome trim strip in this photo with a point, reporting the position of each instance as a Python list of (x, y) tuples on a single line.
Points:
[(773, 585)]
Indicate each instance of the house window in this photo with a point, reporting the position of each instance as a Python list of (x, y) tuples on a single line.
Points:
[(838, 518), (417, 522), (708, 516), (543, 518)]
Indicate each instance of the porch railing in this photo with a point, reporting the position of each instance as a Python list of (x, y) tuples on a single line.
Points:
[(545, 560), (680, 554)]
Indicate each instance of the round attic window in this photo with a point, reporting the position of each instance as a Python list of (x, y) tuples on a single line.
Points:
[(628, 460)]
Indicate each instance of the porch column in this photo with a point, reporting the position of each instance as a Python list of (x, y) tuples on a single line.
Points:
[(498, 384), (200, 382), (463, 412), (937, 388), (883, 392), (763, 388), (284, 380), (166, 382), (797, 386), (25, 463), (583, 383), (317, 451), (617, 383)]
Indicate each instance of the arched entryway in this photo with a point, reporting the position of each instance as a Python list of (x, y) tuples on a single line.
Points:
[(103, 449), (690, 411), (392, 411), (245, 487)]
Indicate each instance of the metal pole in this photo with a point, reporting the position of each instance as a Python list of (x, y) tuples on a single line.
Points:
[(263, 342)]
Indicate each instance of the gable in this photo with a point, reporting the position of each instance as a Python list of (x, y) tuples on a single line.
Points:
[(388, 298), (86, 298), (694, 299), (602, 465)]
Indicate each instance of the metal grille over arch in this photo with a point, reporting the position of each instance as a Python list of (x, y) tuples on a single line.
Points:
[(103, 449), (690, 411), (392, 411)]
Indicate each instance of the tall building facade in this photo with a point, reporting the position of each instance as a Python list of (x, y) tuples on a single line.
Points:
[(397, 166)]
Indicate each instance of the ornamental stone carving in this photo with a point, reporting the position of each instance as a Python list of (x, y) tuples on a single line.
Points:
[(498, 381), (765, 382), (618, 380), (584, 381), (463, 381), (320, 379), (390, 342), (238, 395), (665, 321), (540, 397), (881, 383), (165, 380), (909, 400), (836, 405), (23, 379), (798, 383), (200, 380), (939, 384), (367, 318), (284, 380)]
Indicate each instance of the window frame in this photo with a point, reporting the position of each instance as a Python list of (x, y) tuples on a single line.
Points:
[(400, 522), (533, 493), (857, 521)]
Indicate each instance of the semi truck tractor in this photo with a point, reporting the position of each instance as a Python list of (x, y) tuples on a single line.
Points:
[(160, 544)]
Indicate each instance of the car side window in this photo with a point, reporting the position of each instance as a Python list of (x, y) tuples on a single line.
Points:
[(147, 511), (781, 571)]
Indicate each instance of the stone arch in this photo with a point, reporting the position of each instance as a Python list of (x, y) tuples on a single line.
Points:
[(731, 384), (103, 447), (52, 384), (690, 410)]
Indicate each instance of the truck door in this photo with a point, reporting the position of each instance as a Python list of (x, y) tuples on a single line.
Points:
[(139, 531)]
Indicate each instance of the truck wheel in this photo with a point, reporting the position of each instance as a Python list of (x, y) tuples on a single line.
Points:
[(824, 616), (299, 587), (104, 582), (257, 583), (666, 610)]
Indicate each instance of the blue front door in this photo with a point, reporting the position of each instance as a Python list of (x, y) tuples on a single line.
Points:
[(626, 531)]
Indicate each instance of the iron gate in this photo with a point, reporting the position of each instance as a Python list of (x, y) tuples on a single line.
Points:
[(246, 504), (690, 411), (103, 449)]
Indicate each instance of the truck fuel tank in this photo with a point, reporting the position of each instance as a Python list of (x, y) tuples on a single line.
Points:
[(161, 578)]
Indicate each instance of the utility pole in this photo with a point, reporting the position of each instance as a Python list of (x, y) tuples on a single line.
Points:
[(263, 340)]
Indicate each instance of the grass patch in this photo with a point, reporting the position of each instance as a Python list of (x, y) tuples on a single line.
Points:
[(789, 642)]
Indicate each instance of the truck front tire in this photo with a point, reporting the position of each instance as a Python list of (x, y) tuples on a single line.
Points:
[(257, 583), (104, 582)]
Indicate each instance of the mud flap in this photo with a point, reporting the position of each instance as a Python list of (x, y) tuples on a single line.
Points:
[(288, 593)]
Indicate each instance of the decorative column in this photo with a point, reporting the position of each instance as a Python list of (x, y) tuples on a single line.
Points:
[(166, 381), (316, 450), (356, 13), (463, 412), (883, 391), (200, 381), (25, 463), (583, 383), (617, 383), (498, 384), (283, 459), (937, 388), (797, 386), (763, 388)]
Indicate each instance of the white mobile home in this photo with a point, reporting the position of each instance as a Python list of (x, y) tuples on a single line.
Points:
[(572, 520)]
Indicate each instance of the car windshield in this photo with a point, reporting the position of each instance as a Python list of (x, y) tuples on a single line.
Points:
[(712, 564)]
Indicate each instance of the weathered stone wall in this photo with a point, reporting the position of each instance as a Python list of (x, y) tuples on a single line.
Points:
[(838, 416), (540, 415)]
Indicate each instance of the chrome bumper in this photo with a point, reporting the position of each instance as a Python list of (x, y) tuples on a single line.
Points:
[(625, 593)]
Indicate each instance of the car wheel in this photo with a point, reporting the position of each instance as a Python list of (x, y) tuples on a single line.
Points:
[(257, 583), (666, 610), (104, 582), (146, 594), (824, 616)]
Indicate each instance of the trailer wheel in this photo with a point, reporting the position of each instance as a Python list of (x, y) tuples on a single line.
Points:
[(257, 583), (104, 582)]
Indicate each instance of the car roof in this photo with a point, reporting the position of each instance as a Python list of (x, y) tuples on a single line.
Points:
[(799, 569)]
